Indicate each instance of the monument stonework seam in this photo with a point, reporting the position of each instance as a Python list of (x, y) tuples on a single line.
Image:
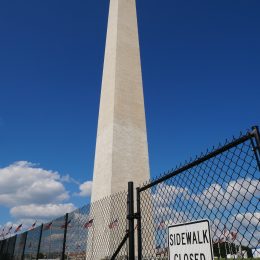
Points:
[(121, 146)]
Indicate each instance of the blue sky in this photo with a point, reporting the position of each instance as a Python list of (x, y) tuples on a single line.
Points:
[(200, 62)]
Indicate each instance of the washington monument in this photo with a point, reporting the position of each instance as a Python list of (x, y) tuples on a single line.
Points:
[(121, 146)]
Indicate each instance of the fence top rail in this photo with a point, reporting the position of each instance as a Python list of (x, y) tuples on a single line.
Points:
[(204, 157)]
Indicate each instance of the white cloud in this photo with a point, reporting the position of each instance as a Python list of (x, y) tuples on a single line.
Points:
[(246, 219), (41, 211), (24, 183), (85, 189), (238, 191), (217, 202), (67, 178), (167, 194), (211, 197), (242, 190), (248, 226), (33, 193), (171, 216), (235, 196)]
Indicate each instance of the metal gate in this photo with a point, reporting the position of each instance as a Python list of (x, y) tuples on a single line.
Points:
[(222, 186)]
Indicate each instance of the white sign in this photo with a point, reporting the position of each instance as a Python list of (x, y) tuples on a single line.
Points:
[(190, 241)]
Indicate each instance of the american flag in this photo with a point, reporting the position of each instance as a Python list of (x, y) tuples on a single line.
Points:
[(64, 225), (113, 224), (225, 231), (89, 223), (136, 226), (48, 226), (18, 228), (9, 230), (2, 233), (233, 235), (33, 225), (215, 241), (221, 240), (161, 225)]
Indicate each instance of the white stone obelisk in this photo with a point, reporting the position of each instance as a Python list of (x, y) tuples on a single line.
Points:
[(121, 145)]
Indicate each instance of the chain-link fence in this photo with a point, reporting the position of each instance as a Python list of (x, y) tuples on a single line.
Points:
[(19, 246), (95, 231), (7, 248), (91, 232), (222, 186), (32, 243)]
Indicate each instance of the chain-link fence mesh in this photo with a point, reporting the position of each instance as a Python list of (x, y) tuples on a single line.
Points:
[(96, 230), (77, 233), (7, 247), (19, 246), (51, 246), (32, 243), (91, 232), (223, 188), (1, 245), (11, 246), (4, 248)]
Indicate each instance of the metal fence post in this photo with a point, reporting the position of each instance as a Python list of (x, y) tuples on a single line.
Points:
[(120, 246), (131, 219), (256, 144), (1, 245), (7, 247), (12, 255), (24, 245), (139, 227), (257, 136), (65, 236), (39, 245)]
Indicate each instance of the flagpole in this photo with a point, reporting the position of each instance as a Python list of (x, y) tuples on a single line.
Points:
[(228, 245), (4, 233), (225, 240), (79, 231), (50, 242), (235, 247), (234, 235), (92, 240), (219, 250), (127, 242), (231, 249), (226, 249)]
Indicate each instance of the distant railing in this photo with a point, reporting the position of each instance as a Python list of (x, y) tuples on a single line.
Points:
[(74, 235)]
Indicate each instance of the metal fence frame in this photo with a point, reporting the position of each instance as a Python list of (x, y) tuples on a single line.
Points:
[(253, 136), (130, 214)]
